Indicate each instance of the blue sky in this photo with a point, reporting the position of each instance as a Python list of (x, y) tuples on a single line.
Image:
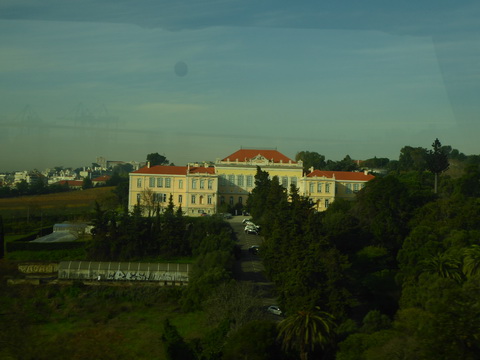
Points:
[(82, 79)]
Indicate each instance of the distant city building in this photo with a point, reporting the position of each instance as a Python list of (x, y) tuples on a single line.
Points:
[(31, 177), (110, 164), (101, 180), (202, 188)]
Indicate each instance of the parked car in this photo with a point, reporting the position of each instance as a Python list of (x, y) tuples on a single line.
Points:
[(251, 230), (227, 216), (254, 249), (273, 309)]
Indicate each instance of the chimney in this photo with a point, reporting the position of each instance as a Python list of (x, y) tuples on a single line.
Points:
[(365, 172), (148, 164), (311, 169)]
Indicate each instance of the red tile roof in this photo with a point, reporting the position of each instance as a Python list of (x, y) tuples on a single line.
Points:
[(342, 175), (70, 182), (174, 170), (102, 178), (162, 169), (248, 154)]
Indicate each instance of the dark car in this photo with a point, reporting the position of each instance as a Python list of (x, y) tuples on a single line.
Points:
[(254, 249)]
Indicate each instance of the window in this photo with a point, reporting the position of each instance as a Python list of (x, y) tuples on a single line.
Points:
[(194, 183), (180, 199), (202, 183), (293, 180), (159, 182), (240, 180), (193, 199), (231, 200), (139, 182), (210, 184), (327, 202), (311, 187), (327, 188), (160, 197), (249, 180), (349, 189), (168, 182), (223, 180), (210, 199), (285, 182), (319, 187), (240, 200), (355, 187), (180, 184), (151, 182), (231, 180), (222, 200), (138, 198)]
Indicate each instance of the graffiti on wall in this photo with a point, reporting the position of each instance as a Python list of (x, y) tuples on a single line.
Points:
[(120, 275), (40, 268)]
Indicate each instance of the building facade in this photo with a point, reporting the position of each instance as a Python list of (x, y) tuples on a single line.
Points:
[(193, 188), (201, 189), (323, 187), (236, 173)]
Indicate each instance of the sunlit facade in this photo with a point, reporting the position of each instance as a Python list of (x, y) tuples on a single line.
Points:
[(202, 189)]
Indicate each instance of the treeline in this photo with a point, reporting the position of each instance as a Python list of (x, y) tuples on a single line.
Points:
[(410, 159), (398, 268)]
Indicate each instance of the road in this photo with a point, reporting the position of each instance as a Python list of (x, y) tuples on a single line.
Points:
[(249, 267)]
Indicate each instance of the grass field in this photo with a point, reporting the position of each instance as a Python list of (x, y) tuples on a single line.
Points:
[(74, 202)]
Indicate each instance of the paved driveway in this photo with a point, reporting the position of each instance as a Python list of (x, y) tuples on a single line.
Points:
[(249, 267)]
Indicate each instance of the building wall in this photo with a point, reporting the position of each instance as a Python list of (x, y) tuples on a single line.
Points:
[(185, 189), (237, 178), (232, 181)]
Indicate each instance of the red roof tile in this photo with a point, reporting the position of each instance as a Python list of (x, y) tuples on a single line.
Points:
[(102, 178), (70, 182), (162, 169), (248, 154), (342, 175)]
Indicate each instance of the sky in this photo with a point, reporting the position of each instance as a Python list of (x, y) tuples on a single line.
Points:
[(196, 80)]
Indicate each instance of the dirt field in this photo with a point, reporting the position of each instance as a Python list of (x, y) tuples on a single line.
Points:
[(72, 201)]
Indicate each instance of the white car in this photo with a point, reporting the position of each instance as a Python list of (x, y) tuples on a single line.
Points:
[(273, 309), (251, 230)]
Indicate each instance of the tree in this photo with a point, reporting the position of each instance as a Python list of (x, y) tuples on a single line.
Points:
[(123, 169), (306, 330), (22, 187), (412, 158), (444, 266), (2, 239), (157, 159), (87, 183), (471, 261), (437, 161), (175, 345), (239, 345), (310, 159), (149, 201)]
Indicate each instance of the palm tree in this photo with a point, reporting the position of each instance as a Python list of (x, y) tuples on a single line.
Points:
[(444, 266), (471, 261), (305, 330)]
